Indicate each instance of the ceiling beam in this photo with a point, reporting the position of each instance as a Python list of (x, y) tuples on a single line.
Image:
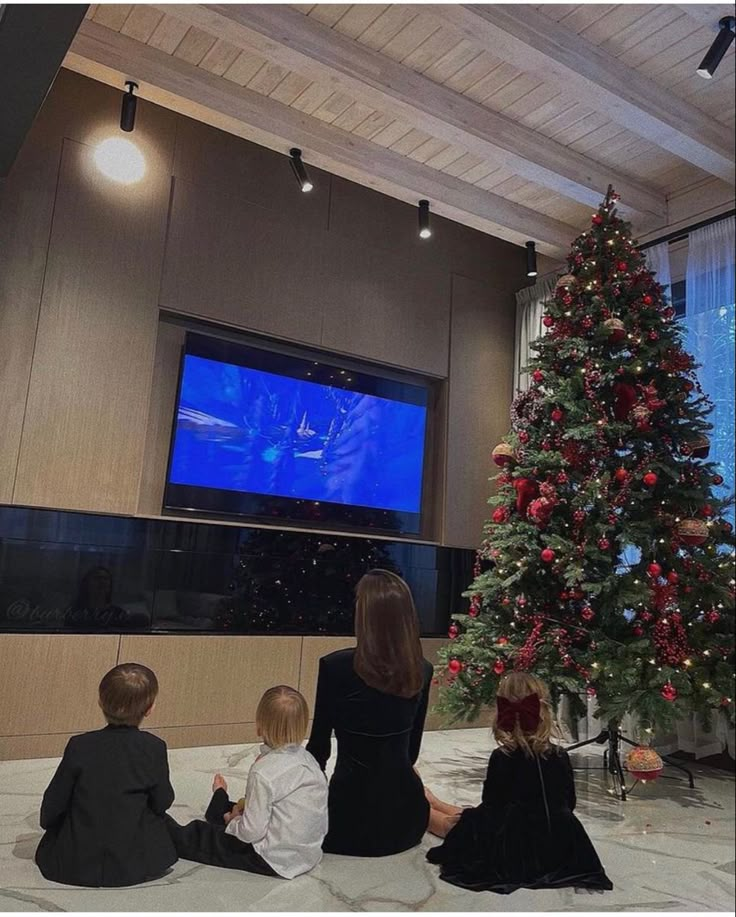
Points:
[(536, 44), (708, 14), (33, 42), (287, 37), (109, 56)]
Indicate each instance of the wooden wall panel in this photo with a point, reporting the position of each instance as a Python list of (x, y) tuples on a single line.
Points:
[(480, 392), (84, 431), (169, 342), (210, 680), (234, 262), (26, 208), (48, 682)]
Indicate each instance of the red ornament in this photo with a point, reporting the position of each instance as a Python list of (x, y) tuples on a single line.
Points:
[(587, 614), (454, 666), (637, 630), (538, 376), (557, 415), (624, 400), (604, 544), (502, 641), (452, 632), (707, 510), (523, 437), (654, 570), (727, 527), (540, 510), (718, 479), (647, 300), (578, 516), (597, 219), (621, 474), (650, 479), (622, 265), (669, 692), (526, 491), (562, 478), (499, 668), (500, 515), (673, 578), (548, 321), (548, 555), (503, 454), (591, 691)]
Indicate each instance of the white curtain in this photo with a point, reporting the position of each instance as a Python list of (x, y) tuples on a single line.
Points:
[(709, 320), (529, 311), (658, 262)]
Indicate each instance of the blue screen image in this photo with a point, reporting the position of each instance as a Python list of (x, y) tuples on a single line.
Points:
[(242, 429)]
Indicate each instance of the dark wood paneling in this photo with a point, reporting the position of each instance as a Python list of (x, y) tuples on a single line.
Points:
[(84, 430), (480, 391)]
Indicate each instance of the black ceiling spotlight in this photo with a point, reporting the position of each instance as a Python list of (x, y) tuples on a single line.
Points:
[(424, 229), (127, 109), (300, 170), (531, 259), (719, 47)]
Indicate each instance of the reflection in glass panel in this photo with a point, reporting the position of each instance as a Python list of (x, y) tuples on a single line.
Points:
[(76, 572)]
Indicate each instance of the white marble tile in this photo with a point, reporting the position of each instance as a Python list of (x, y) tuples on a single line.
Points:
[(668, 848)]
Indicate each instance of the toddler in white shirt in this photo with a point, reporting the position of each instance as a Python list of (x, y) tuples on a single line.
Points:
[(279, 829)]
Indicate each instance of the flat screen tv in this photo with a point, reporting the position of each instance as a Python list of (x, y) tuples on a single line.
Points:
[(266, 434)]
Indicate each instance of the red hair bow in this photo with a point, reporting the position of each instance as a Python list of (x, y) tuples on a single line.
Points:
[(527, 710)]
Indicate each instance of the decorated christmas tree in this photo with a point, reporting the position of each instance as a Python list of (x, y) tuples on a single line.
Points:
[(607, 565)]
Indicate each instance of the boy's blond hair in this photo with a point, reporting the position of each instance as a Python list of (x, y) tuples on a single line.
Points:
[(282, 717), (515, 687)]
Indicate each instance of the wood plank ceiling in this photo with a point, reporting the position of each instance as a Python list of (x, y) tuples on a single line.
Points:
[(510, 118)]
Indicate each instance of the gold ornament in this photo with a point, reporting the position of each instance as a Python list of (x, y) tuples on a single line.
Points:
[(616, 329), (567, 280), (692, 531), (641, 413), (644, 763), (697, 447), (503, 454)]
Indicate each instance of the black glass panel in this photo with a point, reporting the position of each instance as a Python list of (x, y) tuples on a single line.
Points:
[(78, 572)]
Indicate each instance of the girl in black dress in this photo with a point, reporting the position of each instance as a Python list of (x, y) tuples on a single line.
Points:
[(375, 699), (524, 833)]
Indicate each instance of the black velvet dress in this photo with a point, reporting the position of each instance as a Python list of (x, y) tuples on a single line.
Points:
[(524, 833), (376, 804)]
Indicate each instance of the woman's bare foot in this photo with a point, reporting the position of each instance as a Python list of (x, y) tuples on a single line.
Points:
[(219, 783), (441, 824)]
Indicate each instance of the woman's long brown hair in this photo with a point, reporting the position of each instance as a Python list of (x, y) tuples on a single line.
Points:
[(389, 654)]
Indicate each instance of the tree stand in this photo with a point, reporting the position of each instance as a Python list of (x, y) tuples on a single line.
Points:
[(612, 737)]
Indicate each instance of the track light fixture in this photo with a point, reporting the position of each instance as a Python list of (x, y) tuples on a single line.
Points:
[(300, 170), (531, 259), (719, 47), (424, 229), (127, 109)]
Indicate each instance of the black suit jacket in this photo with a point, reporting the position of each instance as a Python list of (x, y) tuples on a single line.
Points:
[(103, 811)]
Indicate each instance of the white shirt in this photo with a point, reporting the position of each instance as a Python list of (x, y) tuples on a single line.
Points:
[(285, 815)]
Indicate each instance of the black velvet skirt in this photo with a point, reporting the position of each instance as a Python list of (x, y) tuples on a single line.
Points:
[(484, 852)]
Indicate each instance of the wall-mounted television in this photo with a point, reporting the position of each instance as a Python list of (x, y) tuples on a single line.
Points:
[(266, 433)]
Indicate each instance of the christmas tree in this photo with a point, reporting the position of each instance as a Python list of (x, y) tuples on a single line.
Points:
[(607, 564)]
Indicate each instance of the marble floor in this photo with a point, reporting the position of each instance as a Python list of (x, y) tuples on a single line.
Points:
[(668, 848)]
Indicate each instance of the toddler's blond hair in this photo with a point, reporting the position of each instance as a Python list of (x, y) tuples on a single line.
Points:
[(282, 717)]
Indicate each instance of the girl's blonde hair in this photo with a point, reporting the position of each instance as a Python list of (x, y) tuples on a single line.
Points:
[(282, 717), (515, 687)]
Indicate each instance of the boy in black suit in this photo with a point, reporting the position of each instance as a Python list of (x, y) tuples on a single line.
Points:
[(103, 812)]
